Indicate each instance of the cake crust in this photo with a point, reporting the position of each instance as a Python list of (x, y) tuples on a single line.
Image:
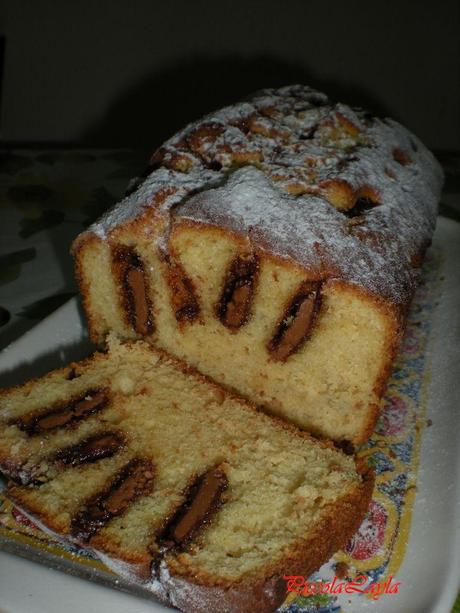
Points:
[(360, 187)]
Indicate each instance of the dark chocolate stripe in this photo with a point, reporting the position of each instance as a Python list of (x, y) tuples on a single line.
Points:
[(298, 321), (202, 500), (134, 289), (132, 482), (64, 414), (97, 447), (101, 445), (234, 306), (183, 295)]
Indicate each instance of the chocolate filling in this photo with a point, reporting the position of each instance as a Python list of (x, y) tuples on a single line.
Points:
[(64, 414), (234, 306), (134, 290), (203, 498), (298, 322), (102, 445), (134, 480), (183, 297)]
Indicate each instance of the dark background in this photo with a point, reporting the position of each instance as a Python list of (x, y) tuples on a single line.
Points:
[(131, 73)]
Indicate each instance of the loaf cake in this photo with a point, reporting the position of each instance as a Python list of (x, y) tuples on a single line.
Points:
[(136, 457), (274, 245)]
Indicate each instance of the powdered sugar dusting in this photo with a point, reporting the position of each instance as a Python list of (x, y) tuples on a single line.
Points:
[(175, 185), (309, 230), (265, 167)]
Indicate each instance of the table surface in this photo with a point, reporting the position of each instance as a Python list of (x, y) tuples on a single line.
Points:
[(47, 196)]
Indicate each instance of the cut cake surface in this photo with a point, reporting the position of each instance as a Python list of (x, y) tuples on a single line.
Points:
[(174, 482)]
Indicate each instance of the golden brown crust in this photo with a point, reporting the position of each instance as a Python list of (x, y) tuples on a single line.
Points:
[(82, 242)]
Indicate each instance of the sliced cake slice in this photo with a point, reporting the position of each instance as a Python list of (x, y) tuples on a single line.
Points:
[(175, 482)]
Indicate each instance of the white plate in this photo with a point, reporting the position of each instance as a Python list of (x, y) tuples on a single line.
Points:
[(430, 573)]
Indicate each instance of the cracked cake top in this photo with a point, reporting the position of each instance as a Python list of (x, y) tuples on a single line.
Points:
[(333, 188)]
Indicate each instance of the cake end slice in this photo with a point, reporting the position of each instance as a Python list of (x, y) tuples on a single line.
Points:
[(174, 482)]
